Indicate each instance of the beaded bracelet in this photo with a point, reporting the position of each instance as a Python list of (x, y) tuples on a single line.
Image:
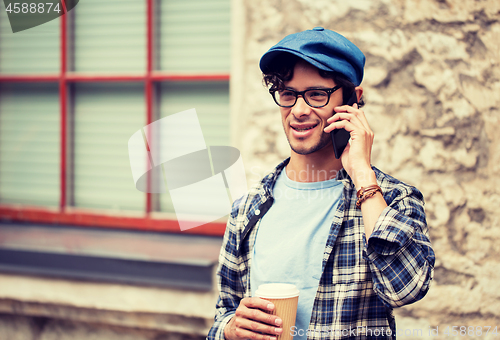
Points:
[(365, 193)]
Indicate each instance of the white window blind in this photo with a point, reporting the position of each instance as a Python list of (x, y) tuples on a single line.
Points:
[(30, 51), (194, 36), (29, 144), (105, 37), (211, 101), (105, 116), (110, 36)]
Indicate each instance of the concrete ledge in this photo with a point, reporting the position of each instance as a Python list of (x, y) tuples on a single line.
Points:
[(146, 321), (126, 257), (149, 308), (20, 327), (196, 276)]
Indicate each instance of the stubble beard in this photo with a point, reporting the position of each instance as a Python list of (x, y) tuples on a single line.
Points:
[(301, 150)]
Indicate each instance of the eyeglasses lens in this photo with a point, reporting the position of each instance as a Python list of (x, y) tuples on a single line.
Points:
[(314, 98)]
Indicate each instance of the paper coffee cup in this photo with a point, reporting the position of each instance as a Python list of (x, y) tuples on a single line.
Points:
[(285, 298)]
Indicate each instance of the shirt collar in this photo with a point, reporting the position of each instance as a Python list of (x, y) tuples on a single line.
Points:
[(269, 181), (264, 197)]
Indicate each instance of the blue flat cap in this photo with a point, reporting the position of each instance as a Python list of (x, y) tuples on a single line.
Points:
[(325, 49)]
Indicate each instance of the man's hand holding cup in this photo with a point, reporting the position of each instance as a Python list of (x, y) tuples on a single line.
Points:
[(254, 320)]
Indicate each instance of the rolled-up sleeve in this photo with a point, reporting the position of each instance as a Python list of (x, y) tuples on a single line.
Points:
[(399, 251)]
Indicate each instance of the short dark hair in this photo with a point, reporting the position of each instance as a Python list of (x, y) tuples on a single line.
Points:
[(281, 70)]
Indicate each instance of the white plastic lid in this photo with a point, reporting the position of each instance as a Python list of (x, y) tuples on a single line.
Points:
[(277, 291)]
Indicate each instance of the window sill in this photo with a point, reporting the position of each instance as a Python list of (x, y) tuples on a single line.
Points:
[(127, 257)]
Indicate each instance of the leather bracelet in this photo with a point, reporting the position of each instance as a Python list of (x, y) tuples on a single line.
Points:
[(364, 193)]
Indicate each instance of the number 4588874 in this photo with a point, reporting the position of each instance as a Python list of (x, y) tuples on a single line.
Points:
[(25, 7)]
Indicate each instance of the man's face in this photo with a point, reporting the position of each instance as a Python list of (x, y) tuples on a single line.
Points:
[(304, 124)]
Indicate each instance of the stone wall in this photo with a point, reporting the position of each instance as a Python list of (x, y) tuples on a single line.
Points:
[(50, 308), (432, 87), (20, 327)]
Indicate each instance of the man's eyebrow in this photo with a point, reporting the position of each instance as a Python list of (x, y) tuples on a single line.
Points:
[(309, 88)]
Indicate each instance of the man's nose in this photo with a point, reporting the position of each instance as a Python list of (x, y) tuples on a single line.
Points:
[(301, 108)]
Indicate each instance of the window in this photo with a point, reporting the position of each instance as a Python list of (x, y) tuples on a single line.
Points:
[(73, 91)]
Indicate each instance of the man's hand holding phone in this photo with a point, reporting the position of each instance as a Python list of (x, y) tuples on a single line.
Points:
[(252, 321), (356, 157), (340, 137)]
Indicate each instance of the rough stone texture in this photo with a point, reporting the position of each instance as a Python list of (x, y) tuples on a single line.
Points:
[(432, 88), (16, 327), (45, 308)]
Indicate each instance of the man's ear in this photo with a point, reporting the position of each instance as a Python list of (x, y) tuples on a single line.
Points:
[(359, 92)]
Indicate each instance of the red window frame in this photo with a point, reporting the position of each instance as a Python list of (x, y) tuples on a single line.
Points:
[(65, 78)]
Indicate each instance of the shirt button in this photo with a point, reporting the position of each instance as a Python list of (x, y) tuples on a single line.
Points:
[(257, 212)]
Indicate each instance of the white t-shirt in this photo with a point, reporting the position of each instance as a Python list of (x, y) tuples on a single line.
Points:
[(291, 240)]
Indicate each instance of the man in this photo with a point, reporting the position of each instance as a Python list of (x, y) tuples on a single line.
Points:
[(351, 238)]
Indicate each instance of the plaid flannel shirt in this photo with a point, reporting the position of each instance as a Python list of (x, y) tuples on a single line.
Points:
[(361, 282)]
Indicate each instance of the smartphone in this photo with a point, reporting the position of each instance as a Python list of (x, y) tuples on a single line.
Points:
[(340, 137)]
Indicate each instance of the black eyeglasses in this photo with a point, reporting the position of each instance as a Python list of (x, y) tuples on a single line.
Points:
[(313, 97)]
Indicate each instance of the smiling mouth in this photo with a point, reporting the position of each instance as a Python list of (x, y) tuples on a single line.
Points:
[(304, 129)]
